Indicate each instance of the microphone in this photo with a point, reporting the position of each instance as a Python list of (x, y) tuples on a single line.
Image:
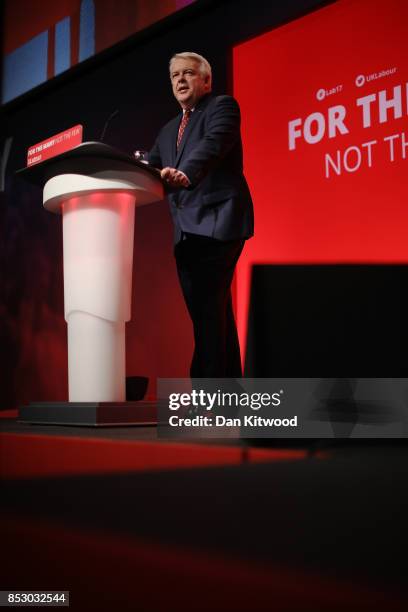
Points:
[(109, 119)]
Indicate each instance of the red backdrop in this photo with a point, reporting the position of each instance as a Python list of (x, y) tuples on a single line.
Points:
[(325, 194)]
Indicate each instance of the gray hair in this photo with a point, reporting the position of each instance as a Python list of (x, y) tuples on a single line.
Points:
[(203, 65)]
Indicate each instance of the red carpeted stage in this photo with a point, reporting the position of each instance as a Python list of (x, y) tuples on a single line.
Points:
[(125, 521)]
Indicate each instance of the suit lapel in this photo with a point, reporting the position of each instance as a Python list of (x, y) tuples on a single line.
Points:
[(187, 131), (190, 126), (173, 140)]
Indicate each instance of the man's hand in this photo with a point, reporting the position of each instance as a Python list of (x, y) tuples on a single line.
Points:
[(174, 177)]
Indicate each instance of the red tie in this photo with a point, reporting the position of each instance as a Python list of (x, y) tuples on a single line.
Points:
[(184, 121)]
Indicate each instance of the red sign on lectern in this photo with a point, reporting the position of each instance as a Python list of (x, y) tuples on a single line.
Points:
[(55, 145)]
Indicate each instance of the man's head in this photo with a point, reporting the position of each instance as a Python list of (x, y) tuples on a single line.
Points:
[(190, 76)]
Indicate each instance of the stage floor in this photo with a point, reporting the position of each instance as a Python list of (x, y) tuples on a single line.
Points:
[(126, 521)]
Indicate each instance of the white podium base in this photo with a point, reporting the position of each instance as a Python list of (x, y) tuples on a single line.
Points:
[(96, 359), (98, 254)]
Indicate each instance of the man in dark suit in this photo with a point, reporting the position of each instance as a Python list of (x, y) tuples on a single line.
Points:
[(200, 156)]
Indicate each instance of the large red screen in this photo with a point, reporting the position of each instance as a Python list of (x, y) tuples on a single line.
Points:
[(324, 104)]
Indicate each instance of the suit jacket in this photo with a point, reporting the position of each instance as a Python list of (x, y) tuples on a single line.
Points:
[(217, 203)]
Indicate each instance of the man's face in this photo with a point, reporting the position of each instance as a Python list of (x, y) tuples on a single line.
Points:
[(187, 82)]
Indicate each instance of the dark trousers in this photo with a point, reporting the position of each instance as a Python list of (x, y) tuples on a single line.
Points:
[(205, 268)]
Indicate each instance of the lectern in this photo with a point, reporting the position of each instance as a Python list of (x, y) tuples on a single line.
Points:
[(96, 189)]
